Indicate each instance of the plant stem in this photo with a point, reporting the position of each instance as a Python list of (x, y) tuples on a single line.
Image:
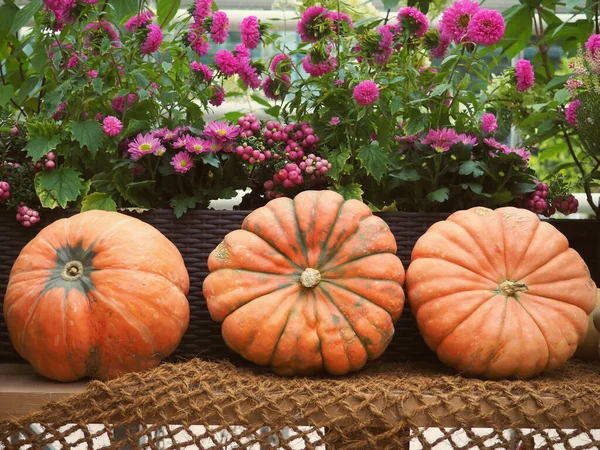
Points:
[(543, 47)]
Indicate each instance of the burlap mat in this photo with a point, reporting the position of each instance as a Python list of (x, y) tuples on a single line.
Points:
[(217, 405)]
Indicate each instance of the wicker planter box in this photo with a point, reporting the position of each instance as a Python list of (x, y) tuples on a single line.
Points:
[(199, 232)]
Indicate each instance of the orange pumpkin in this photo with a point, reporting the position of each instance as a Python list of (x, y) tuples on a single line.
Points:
[(98, 294), (307, 284), (499, 293)]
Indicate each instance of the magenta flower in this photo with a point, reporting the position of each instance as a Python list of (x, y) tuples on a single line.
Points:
[(571, 112), (202, 10), (219, 27), (278, 58), (218, 95), (314, 24), (111, 125), (442, 48), (214, 145), (455, 20), (202, 70), (467, 140), (274, 88), (250, 30), (365, 93), (248, 73), (118, 103), (182, 141), (143, 145), (592, 46), (319, 69), (220, 130), (413, 20), (524, 74), (139, 21), (182, 162), (153, 40), (240, 51), (335, 17), (198, 40), (196, 145), (92, 74), (334, 121), (107, 28), (226, 62), (441, 140), (573, 84), (486, 27), (489, 124)]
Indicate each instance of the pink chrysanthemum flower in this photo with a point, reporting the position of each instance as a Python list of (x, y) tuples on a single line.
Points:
[(92, 74), (107, 28), (278, 58), (202, 10), (219, 27), (442, 49), (226, 62), (248, 73), (592, 46), (365, 92), (412, 19), (335, 17), (334, 121), (489, 124), (182, 141), (467, 140), (202, 70), (571, 112), (153, 40), (139, 21), (455, 20), (220, 130), (319, 69), (274, 88), (143, 145), (250, 31), (338, 82), (118, 103), (524, 74), (314, 24), (197, 145), (214, 145), (182, 162), (198, 40), (486, 27), (112, 126), (441, 140), (240, 51), (218, 95)]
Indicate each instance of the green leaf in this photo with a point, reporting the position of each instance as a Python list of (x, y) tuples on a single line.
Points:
[(98, 200), (406, 174), (471, 168), (261, 101), (374, 159), (233, 116), (561, 96), (338, 160), (40, 146), (59, 186), (8, 11), (88, 134), (475, 187), (24, 15), (465, 82), (440, 89), (140, 79), (396, 105), (211, 159), (273, 111), (181, 203), (6, 93), (97, 84), (390, 4), (166, 10), (439, 195), (350, 191)]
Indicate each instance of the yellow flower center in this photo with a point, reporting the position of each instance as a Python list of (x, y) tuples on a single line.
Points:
[(183, 163), (145, 147), (222, 132), (197, 147)]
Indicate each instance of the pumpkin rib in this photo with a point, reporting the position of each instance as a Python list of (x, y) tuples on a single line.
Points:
[(501, 344), (64, 324), (541, 331), (358, 295), (321, 261), (462, 267), (337, 266), (316, 310), (124, 269), (464, 320), (531, 240), (296, 230), (287, 320), (535, 269), (300, 235), (477, 245)]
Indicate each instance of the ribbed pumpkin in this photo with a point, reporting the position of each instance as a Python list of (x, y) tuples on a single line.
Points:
[(307, 284), (499, 293), (98, 294)]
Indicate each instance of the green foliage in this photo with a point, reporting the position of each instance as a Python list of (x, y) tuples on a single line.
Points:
[(98, 200), (59, 187)]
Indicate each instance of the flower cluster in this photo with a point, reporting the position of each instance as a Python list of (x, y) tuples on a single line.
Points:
[(541, 201), (466, 21)]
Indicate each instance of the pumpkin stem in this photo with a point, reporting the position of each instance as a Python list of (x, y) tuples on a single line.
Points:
[(310, 278), (72, 271), (510, 288)]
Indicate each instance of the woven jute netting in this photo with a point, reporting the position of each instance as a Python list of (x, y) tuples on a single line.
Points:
[(204, 404)]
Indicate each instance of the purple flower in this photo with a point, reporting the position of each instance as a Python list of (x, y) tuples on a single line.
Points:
[(202, 10), (319, 69), (413, 20), (182, 141), (219, 27), (486, 27), (442, 48), (218, 95), (196, 145), (139, 21), (314, 24), (365, 93), (92, 74), (334, 121), (182, 162), (226, 62), (153, 40), (198, 40), (278, 58), (335, 17), (441, 140), (202, 70), (467, 140), (593, 45), (248, 74), (489, 124), (250, 30), (220, 130), (455, 20), (118, 103), (571, 112), (275, 87), (105, 26), (524, 74), (112, 126), (143, 145), (241, 52), (214, 145)]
